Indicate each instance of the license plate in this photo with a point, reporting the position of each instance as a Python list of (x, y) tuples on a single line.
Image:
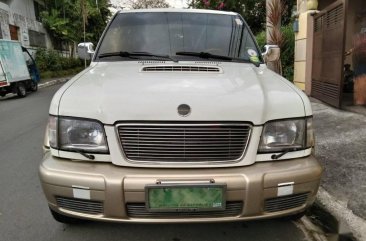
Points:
[(185, 198)]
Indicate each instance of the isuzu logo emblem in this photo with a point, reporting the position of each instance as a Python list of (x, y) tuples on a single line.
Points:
[(184, 110)]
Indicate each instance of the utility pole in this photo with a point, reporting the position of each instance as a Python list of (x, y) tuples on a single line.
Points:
[(83, 10)]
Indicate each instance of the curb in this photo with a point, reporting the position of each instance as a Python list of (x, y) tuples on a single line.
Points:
[(337, 222), (312, 231), (52, 82)]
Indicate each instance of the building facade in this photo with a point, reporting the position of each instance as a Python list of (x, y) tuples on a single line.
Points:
[(20, 20), (326, 61)]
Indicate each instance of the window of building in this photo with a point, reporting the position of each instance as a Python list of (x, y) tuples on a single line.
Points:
[(14, 32), (38, 8), (37, 39)]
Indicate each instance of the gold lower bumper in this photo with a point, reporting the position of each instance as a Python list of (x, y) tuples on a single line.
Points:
[(103, 191)]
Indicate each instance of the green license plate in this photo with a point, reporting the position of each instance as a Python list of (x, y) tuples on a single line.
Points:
[(185, 198)]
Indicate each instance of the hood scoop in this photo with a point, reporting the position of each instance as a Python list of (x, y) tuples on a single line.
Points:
[(182, 68), (151, 62)]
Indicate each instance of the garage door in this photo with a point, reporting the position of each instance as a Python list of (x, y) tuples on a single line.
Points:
[(328, 54)]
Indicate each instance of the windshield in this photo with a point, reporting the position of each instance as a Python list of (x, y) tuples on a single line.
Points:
[(167, 33)]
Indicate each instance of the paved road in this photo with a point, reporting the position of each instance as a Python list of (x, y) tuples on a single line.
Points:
[(24, 213)]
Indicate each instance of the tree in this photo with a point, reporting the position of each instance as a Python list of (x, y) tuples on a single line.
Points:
[(275, 10), (140, 4), (260, 15), (64, 20), (253, 11), (56, 25)]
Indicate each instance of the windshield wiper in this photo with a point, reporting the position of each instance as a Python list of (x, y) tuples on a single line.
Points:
[(206, 55), (132, 55), (84, 154), (275, 157), (279, 155)]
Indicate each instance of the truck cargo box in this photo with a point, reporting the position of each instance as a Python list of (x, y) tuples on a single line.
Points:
[(12, 60), (16, 75)]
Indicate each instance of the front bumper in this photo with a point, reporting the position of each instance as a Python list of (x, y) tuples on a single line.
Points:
[(103, 191)]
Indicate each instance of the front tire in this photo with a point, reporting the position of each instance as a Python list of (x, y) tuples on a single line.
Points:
[(21, 90), (65, 219), (34, 86)]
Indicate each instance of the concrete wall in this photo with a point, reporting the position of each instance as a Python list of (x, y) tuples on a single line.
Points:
[(304, 48), (21, 14)]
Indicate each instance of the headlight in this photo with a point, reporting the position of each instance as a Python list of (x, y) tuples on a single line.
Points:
[(286, 135), (310, 139), (75, 134)]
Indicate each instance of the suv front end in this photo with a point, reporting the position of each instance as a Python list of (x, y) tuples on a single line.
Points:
[(188, 137)]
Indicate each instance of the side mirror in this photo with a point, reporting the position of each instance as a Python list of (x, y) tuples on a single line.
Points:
[(272, 53), (85, 50)]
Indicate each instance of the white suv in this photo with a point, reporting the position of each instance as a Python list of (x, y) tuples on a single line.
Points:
[(178, 119)]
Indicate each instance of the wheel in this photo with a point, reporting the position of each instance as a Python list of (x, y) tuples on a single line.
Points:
[(65, 219), (21, 90), (2, 94), (34, 86)]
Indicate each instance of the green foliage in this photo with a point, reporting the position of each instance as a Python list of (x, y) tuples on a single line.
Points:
[(64, 19), (253, 11), (141, 4), (261, 39), (60, 73), (287, 50), (57, 27), (287, 16), (50, 60)]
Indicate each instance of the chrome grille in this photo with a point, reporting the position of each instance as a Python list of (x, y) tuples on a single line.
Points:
[(183, 68), (286, 202), (138, 210), (184, 142), (80, 205)]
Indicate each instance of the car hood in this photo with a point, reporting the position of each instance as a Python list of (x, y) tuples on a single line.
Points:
[(120, 91)]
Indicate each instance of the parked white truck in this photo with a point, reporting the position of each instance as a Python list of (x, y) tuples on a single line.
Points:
[(178, 119), (17, 74)]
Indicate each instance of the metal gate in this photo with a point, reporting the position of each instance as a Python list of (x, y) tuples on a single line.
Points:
[(328, 53)]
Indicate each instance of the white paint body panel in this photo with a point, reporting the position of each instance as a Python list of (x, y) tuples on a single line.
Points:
[(118, 91)]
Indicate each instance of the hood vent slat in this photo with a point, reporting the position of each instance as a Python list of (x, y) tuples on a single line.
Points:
[(183, 68)]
